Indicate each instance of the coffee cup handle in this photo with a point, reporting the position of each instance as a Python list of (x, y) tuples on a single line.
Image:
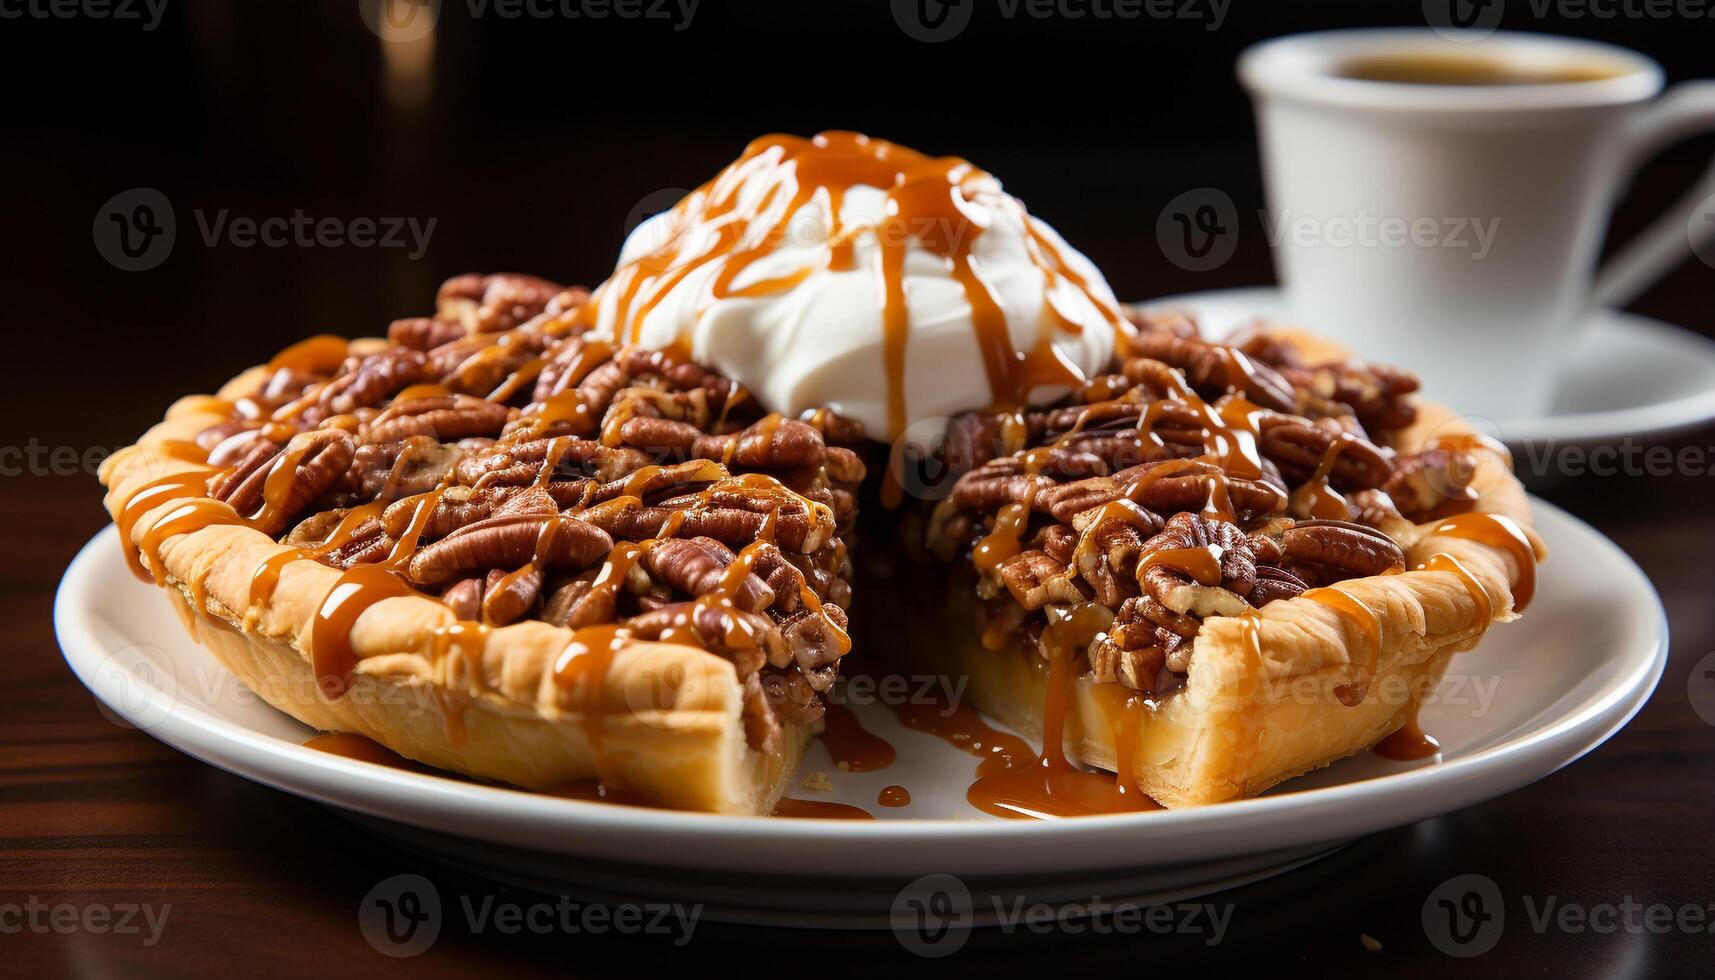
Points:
[(1685, 110)]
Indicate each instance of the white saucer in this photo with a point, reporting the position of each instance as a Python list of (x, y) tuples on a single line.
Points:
[(1626, 377), (1558, 683)]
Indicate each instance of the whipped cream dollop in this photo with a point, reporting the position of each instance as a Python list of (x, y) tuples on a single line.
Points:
[(864, 277)]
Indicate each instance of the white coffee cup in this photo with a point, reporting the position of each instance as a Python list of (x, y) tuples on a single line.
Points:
[(1454, 228)]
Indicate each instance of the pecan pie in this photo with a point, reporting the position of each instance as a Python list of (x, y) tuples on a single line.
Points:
[(1218, 566), (504, 547), (553, 537)]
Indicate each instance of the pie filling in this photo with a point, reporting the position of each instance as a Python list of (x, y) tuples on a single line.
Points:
[(537, 452), (501, 459)]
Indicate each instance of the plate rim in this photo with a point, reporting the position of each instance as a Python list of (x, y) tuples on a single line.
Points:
[(1663, 418), (1264, 823)]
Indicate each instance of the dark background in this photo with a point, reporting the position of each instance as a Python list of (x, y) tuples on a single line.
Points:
[(533, 143)]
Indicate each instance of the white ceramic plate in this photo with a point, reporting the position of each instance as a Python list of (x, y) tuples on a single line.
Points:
[(1536, 695), (1626, 376)]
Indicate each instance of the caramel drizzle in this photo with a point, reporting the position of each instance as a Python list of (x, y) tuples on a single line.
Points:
[(515, 382), (853, 747), (193, 515), (173, 486), (353, 593), (820, 810), (1244, 721), (1447, 563), (277, 486), (400, 554), (266, 577), (1498, 531), (1004, 541), (1358, 617), (180, 449), (469, 640), (349, 745), (959, 725), (1202, 564), (321, 354), (1051, 786), (1121, 510), (1409, 741), (928, 205), (1316, 497)]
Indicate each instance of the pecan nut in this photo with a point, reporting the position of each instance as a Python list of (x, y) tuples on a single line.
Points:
[(1327, 551), (510, 542)]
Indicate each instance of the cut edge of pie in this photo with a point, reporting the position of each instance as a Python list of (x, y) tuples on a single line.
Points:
[(1259, 703)]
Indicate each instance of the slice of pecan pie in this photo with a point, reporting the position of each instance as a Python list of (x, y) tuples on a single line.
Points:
[(501, 546), (1217, 567)]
